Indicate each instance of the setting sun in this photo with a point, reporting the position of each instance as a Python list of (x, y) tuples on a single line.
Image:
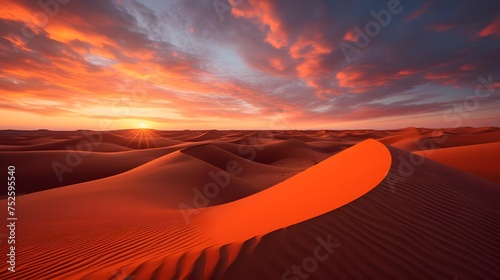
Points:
[(142, 125)]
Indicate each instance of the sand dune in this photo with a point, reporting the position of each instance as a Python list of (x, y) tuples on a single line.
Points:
[(481, 159), (40, 169), (127, 202), (289, 152), (209, 135), (438, 225), (317, 190), (147, 213), (405, 140)]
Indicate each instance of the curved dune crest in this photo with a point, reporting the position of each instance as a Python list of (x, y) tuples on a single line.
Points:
[(322, 188)]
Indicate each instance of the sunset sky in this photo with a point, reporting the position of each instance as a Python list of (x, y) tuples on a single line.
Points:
[(248, 64)]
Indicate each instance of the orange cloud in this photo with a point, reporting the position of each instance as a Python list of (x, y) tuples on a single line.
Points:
[(14, 11), (491, 29), (407, 72), (434, 76), (467, 67), (349, 36), (265, 14), (307, 46), (348, 79), (277, 64), (65, 33), (358, 81), (419, 12), (307, 50)]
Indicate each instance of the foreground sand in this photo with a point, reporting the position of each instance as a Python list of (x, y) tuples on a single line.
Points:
[(389, 213)]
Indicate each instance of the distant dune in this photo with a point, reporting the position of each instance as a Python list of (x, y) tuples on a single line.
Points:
[(482, 160), (257, 205)]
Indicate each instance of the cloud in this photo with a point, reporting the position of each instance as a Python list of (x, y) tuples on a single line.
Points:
[(491, 29), (264, 12), (418, 12), (178, 61)]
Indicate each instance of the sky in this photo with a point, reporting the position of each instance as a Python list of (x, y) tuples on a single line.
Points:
[(249, 64)]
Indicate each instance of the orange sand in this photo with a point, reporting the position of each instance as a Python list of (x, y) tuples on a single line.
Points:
[(117, 214)]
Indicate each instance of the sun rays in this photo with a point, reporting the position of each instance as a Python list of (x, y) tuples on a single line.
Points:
[(141, 137)]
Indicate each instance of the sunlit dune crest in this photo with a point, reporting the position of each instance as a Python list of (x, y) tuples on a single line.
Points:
[(334, 182)]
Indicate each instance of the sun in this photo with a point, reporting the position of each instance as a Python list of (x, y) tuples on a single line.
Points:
[(143, 125), (142, 137)]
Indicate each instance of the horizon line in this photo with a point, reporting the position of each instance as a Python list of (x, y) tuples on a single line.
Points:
[(187, 129)]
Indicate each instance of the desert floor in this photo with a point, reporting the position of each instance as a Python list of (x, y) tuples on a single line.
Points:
[(412, 203)]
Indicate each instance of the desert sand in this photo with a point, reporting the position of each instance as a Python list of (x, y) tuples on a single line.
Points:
[(412, 203)]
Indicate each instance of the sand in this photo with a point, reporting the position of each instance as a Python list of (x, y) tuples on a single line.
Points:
[(258, 205)]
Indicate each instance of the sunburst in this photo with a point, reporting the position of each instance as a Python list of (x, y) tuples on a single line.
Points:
[(145, 136)]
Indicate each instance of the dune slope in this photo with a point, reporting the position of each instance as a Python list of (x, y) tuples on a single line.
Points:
[(481, 159), (437, 223)]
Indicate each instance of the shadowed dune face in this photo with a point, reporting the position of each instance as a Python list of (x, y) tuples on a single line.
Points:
[(257, 205)]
